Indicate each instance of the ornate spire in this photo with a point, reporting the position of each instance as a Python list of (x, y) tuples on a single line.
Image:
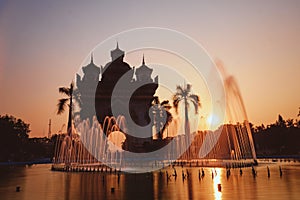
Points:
[(92, 58), (143, 63), (116, 53)]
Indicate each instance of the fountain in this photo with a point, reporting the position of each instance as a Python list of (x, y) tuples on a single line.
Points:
[(96, 147), (102, 140)]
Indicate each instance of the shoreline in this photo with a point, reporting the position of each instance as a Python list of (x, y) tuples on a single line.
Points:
[(49, 161), (18, 163)]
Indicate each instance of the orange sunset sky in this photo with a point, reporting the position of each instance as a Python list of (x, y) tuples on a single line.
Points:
[(43, 44)]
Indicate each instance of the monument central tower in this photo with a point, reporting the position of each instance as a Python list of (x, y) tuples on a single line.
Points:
[(137, 110)]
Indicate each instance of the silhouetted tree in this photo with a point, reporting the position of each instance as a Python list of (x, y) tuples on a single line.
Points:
[(16, 146), (280, 122), (14, 134), (279, 138), (259, 128), (184, 95), (63, 102), (290, 123), (297, 123), (161, 115)]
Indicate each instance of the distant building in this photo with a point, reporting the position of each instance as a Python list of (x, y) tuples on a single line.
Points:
[(232, 143)]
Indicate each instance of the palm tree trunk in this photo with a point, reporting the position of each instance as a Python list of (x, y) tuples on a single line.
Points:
[(70, 113), (186, 127)]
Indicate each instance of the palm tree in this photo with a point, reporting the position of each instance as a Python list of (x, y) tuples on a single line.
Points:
[(184, 94), (62, 103), (161, 115)]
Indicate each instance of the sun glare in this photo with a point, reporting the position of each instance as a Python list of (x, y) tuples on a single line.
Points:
[(213, 121), (217, 184)]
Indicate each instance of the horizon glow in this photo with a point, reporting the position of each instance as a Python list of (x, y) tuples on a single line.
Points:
[(42, 45)]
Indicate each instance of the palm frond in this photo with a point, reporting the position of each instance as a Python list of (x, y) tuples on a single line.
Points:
[(179, 95), (169, 106), (196, 106), (156, 100), (166, 105), (176, 101), (188, 88), (179, 90), (169, 117), (195, 98), (64, 90), (61, 105), (165, 102), (196, 101), (67, 91)]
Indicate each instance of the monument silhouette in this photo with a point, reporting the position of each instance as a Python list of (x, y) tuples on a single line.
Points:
[(130, 115), (86, 87), (128, 92)]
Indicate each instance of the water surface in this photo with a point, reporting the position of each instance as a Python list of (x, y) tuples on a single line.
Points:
[(39, 182)]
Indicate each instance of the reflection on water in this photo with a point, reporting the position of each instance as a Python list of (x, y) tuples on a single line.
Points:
[(38, 182), (217, 173)]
